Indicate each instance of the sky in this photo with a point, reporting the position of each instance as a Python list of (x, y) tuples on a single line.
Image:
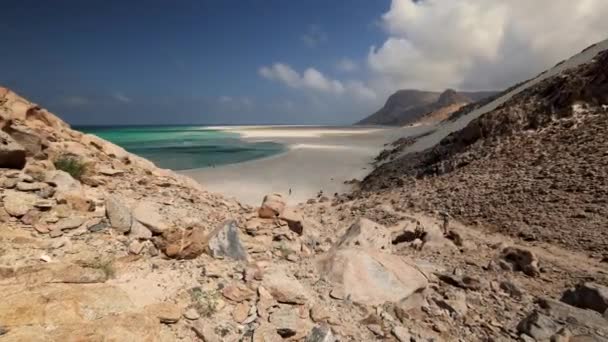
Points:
[(274, 61)]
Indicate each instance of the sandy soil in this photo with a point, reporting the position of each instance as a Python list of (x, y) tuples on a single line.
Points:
[(318, 158)]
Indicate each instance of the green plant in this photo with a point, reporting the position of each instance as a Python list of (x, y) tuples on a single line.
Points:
[(204, 302), (72, 165)]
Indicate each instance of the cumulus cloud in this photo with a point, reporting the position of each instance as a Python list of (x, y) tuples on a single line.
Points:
[(346, 65), (314, 80), (314, 36), (475, 44)]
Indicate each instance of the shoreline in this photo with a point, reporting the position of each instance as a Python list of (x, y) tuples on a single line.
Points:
[(316, 159)]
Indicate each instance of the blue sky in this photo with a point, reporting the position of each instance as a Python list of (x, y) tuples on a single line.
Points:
[(271, 61)]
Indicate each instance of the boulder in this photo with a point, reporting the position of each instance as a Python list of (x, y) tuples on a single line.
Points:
[(148, 214), (294, 220), (12, 154), (371, 277), (521, 260), (19, 203), (272, 206), (62, 181), (224, 242), (538, 326), (118, 214), (365, 233), (588, 296), (26, 137), (180, 243), (285, 288)]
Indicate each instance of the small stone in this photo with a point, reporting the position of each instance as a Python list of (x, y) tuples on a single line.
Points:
[(19, 203), (321, 334), (402, 334), (23, 186), (192, 314), (272, 206), (69, 223), (319, 313), (55, 233), (97, 226), (45, 258), (166, 312), (135, 247), (237, 292), (337, 293), (284, 287), (240, 312), (204, 332), (376, 329), (140, 232)]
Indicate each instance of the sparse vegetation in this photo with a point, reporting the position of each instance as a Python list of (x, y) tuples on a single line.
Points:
[(72, 165), (204, 302)]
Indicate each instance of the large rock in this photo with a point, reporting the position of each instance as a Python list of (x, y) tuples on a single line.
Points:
[(371, 277), (272, 206), (321, 334), (19, 203), (118, 214), (588, 296), (62, 181), (180, 243), (224, 242), (12, 154), (285, 288), (26, 137), (521, 259), (365, 233), (148, 214), (294, 220), (538, 326)]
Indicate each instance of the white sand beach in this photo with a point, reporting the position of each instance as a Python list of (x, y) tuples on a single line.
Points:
[(317, 159)]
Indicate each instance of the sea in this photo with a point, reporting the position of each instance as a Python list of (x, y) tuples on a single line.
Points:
[(185, 147)]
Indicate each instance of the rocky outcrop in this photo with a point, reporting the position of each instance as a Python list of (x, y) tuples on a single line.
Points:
[(12, 155), (408, 106)]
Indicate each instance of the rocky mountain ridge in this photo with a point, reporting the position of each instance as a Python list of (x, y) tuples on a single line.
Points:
[(408, 106)]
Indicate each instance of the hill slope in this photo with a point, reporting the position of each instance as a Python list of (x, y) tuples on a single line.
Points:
[(531, 163), (407, 106)]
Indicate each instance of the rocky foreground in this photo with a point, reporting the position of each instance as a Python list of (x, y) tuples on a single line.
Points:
[(99, 245)]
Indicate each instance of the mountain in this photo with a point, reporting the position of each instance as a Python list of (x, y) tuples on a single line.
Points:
[(407, 106), (531, 162)]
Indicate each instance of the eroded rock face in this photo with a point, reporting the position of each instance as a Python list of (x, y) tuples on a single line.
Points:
[(12, 154), (272, 206), (371, 277), (224, 242)]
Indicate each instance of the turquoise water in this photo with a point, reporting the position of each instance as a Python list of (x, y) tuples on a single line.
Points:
[(185, 147)]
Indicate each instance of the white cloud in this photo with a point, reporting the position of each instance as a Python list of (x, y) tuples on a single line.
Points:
[(346, 65), (477, 44), (120, 97), (314, 36), (313, 80)]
